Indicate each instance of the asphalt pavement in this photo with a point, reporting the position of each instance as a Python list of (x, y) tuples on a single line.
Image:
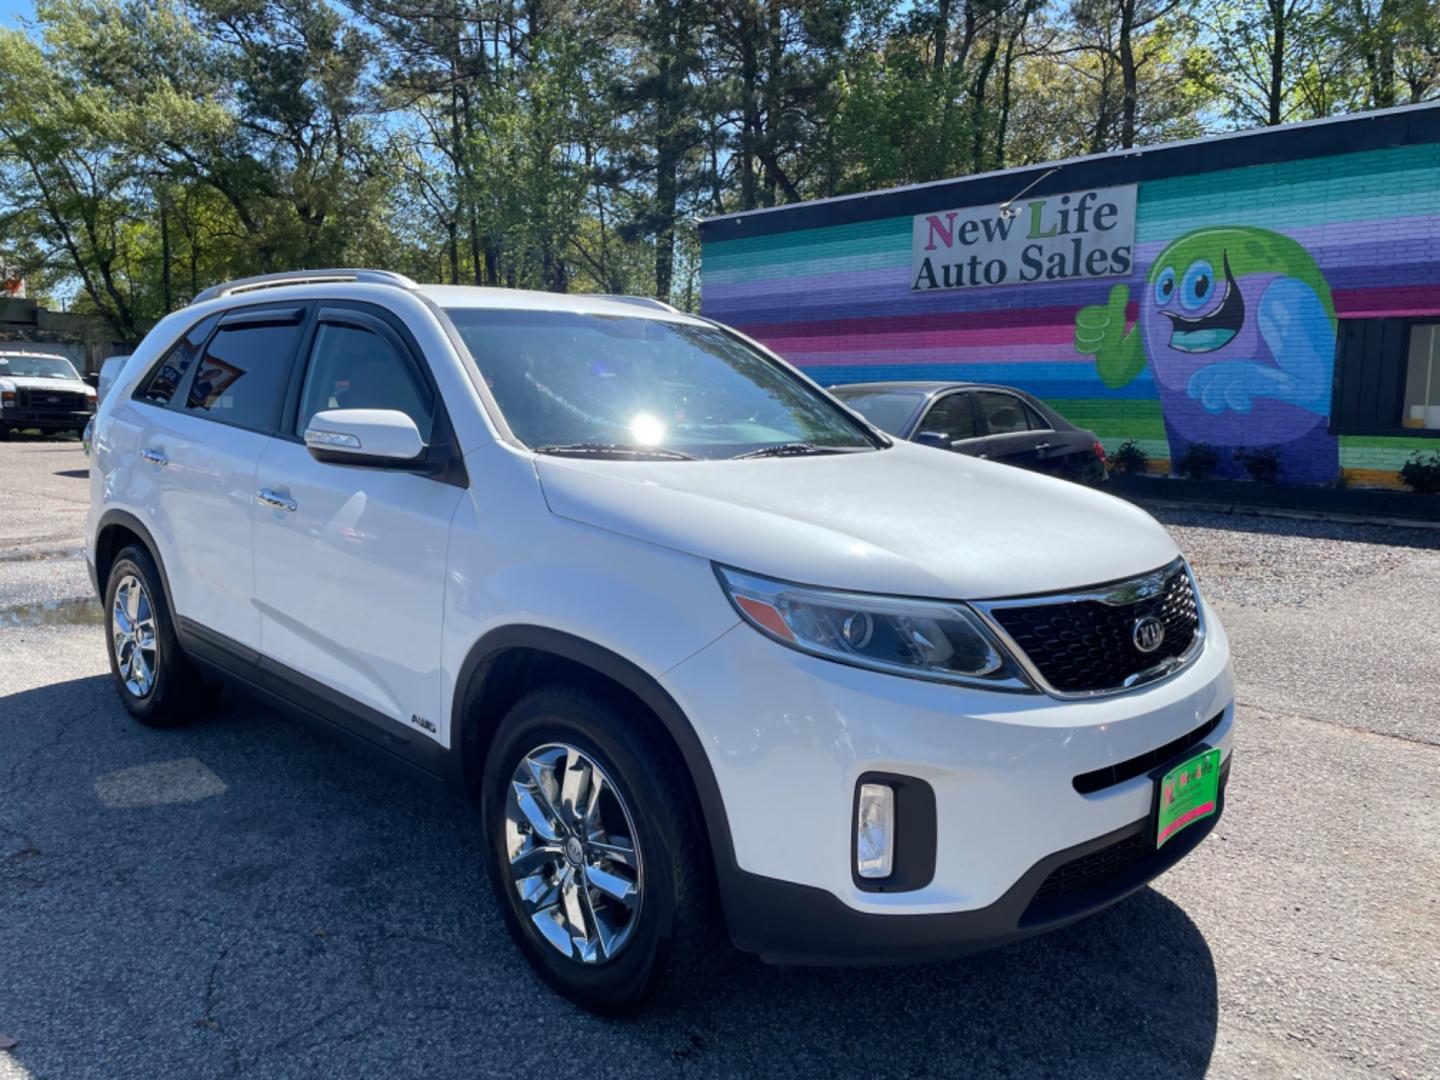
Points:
[(245, 897)]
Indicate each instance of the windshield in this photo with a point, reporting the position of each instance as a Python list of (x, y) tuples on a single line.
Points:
[(38, 367), (639, 387), (889, 410)]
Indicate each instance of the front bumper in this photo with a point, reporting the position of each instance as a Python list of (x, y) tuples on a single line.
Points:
[(788, 736), (45, 419), (784, 923)]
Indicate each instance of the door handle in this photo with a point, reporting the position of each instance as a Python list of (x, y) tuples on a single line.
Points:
[(1041, 446), (266, 497), (155, 457)]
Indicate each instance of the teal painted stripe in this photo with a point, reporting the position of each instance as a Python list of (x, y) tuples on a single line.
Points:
[(837, 242)]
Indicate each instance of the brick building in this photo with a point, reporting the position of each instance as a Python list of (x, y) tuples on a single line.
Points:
[(1273, 288)]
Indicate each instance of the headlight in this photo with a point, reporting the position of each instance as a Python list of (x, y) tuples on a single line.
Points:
[(925, 639)]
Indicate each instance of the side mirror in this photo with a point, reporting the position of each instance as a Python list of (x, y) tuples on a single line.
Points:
[(937, 439), (110, 370), (384, 438)]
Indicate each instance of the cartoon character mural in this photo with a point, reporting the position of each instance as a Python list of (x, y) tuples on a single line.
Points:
[(1238, 327)]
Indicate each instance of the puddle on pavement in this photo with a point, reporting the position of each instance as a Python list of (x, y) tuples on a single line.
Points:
[(84, 612)]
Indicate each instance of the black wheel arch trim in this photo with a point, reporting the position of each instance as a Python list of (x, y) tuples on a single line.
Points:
[(636, 681), (131, 523)]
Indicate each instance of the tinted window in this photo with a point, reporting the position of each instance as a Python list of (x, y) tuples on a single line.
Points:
[(952, 417), (1003, 413), (170, 372), (241, 378), (353, 368), (889, 410), (608, 381)]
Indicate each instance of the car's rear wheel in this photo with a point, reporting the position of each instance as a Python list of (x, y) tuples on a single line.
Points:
[(155, 680), (598, 856)]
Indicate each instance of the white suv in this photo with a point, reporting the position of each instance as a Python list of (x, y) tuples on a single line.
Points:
[(710, 653)]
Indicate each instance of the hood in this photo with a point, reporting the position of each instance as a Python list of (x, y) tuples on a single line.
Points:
[(909, 520), (35, 382)]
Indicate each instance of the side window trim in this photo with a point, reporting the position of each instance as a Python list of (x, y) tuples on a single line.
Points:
[(257, 316), (265, 316)]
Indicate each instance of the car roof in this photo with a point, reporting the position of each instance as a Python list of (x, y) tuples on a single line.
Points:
[(930, 387)]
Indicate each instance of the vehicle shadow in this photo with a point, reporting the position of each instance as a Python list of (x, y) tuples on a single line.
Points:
[(258, 897)]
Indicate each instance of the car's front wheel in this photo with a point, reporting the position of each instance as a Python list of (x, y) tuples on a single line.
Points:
[(598, 854), (155, 680)]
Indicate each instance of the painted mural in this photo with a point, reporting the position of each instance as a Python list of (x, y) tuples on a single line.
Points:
[(1223, 333), (1238, 327)]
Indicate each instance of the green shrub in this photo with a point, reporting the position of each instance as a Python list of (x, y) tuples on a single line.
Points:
[(1262, 463), (1198, 461), (1421, 474), (1129, 458)]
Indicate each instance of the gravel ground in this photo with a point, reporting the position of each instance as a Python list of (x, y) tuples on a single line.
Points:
[(243, 897)]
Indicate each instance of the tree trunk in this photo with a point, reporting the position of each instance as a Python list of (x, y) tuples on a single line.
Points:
[(1129, 74), (1277, 61), (942, 34)]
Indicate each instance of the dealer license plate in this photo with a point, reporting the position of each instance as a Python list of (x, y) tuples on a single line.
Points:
[(1188, 793)]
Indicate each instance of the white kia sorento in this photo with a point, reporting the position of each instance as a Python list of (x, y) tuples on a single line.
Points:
[(713, 657)]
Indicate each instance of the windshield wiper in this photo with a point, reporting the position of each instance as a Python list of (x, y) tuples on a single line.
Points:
[(794, 449), (599, 449)]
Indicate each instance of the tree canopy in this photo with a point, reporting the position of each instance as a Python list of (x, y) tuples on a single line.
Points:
[(149, 149)]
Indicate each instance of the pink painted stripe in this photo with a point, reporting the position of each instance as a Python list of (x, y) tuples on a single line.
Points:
[(993, 338), (1394, 302), (1185, 819), (853, 351)]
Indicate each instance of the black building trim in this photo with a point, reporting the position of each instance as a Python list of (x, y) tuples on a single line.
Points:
[(1406, 126)]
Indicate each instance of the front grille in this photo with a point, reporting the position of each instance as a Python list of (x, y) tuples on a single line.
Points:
[(30, 397), (1092, 871), (1086, 643)]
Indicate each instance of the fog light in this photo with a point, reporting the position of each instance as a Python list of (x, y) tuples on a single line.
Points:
[(875, 831)]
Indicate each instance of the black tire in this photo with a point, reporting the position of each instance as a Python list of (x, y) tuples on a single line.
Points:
[(677, 930), (4, 433), (177, 694)]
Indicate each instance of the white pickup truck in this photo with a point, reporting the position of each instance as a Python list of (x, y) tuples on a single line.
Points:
[(44, 391)]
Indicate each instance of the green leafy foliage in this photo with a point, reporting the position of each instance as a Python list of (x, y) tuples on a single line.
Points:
[(1262, 463), (1421, 473), (1129, 458), (1197, 462), (149, 149)]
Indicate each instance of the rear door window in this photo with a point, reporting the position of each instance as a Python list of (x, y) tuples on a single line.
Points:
[(241, 377), (165, 379)]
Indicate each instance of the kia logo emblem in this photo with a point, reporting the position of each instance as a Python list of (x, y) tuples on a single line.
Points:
[(1148, 633)]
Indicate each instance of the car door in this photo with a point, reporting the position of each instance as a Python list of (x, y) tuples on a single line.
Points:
[(1014, 433), (950, 423), (350, 568), (205, 414)]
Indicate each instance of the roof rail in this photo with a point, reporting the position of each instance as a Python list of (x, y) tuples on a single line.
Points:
[(638, 301), (305, 277)]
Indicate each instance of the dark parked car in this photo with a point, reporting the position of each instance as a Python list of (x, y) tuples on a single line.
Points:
[(995, 422)]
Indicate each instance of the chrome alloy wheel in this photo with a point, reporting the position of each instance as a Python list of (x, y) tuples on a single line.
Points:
[(132, 626), (574, 863)]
